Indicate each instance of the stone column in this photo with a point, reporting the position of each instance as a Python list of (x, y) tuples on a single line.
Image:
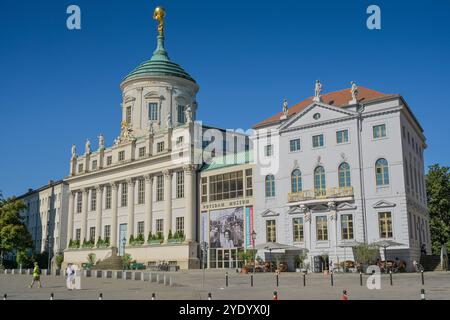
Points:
[(148, 204), (98, 226), (333, 218), (189, 227), (168, 203), (139, 108), (84, 215), (114, 189), (130, 202), (70, 217)]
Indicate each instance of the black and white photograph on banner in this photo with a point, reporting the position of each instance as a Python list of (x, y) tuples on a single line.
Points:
[(226, 228)]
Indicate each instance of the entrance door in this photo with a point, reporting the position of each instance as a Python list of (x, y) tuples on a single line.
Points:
[(122, 238)]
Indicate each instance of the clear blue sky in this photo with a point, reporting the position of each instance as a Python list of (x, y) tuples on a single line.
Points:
[(60, 87)]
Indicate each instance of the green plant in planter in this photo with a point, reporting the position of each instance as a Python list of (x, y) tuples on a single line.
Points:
[(170, 235), (91, 257), (150, 237), (126, 261), (59, 260), (366, 254), (160, 236)]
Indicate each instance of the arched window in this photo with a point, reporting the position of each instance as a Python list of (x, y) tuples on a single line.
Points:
[(270, 186), (296, 181), (319, 181), (344, 175), (382, 172)]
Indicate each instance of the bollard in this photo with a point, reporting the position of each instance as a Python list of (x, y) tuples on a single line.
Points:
[(251, 280), (209, 296), (304, 280), (275, 295), (153, 296), (100, 296), (422, 294), (390, 277), (332, 281), (360, 279), (423, 280), (5, 296), (278, 280), (52, 296), (226, 279)]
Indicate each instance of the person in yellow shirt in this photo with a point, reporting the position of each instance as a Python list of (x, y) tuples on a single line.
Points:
[(36, 275)]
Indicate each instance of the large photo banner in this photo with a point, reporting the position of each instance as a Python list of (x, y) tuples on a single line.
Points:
[(226, 228), (248, 226)]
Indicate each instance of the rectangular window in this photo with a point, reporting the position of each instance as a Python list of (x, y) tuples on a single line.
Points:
[(121, 155), (268, 150), (180, 141), (379, 131), (108, 160), (92, 234), (141, 152), (124, 195), (294, 145), (80, 168), (128, 115), (385, 223), (181, 117), (159, 226), (321, 228), (317, 141), (342, 136), (93, 200), (78, 234), (248, 183), (141, 191), (180, 184), (140, 227), (107, 233), (160, 146), (271, 233), (108, 197), (153, 111), (204, 189), (347, 226), (226, 186), (79, 201), (179, 225), (160, 188), (297, 228), (94, 165)]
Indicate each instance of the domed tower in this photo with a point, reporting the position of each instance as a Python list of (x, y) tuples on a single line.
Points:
[(156, 94)]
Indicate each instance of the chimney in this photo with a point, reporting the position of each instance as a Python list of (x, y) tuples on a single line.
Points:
[(50, 182)]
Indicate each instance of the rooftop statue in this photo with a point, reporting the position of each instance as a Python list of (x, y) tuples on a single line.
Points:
[(317, 90), (159, 15), (285, 108), (88, 146), (101, 141), (74, 151), (354, 91), (188, 114)]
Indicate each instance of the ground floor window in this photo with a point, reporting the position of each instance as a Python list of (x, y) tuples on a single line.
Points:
[(385, 223), (225, 258), (347, 226), (107, 233)]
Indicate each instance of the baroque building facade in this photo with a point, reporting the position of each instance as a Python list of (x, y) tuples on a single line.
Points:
[(45, 216), (339, 169)]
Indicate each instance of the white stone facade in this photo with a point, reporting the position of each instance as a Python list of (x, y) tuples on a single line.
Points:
[(361, 198), (46, 216)]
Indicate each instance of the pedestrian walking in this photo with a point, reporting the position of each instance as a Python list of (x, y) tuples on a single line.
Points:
[(36, 275), (70, 272), (344, 295)]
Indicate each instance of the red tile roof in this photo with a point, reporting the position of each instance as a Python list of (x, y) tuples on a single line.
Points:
[(338, 98)]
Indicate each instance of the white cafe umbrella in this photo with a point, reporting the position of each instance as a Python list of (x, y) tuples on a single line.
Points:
[(385, 244), (348, 244), (275, 246)]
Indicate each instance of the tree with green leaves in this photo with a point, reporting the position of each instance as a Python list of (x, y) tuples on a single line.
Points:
[(438, 198), (14, 235)]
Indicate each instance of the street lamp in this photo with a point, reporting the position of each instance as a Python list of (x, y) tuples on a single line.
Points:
[(254, 252)]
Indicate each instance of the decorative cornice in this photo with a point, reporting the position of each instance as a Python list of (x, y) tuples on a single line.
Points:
[(383, 204)]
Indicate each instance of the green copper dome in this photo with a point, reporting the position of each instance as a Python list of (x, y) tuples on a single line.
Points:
[(159, 65)]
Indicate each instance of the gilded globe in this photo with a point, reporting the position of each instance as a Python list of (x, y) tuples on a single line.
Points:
[(159, 13)]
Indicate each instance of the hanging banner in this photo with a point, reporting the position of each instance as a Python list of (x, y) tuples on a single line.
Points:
[(248, 226)]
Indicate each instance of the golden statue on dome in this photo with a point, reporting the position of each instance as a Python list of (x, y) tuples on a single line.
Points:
[(159, 15)]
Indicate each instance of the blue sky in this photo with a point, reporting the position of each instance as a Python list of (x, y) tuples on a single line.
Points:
[(60, 87)]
